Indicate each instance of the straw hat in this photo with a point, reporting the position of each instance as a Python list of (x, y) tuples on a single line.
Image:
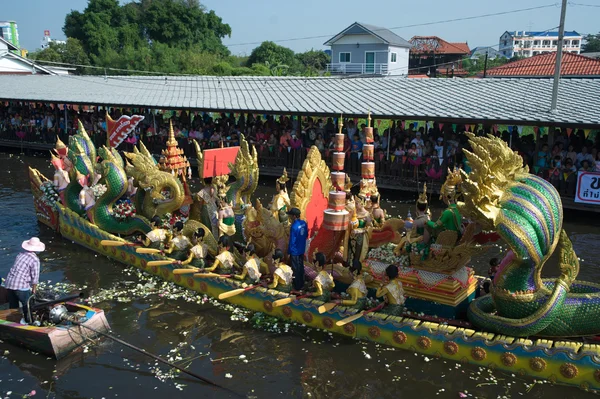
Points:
[(34, 245)]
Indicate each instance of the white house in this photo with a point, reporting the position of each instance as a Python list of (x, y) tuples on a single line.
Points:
[(368, 50), (527, 44), (13, 64)]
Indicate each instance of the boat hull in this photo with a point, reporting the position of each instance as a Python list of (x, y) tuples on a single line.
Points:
[(566, 362), (54, 341)]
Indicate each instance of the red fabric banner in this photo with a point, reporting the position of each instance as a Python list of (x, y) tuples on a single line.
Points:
[(119, 130), (216, 161)]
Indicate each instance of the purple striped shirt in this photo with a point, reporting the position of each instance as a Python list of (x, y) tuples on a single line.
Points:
[(24, 273)]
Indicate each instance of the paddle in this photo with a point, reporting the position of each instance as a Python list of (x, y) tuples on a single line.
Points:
[(211, 275), (112, 243), (161, 262), (358, 315), (147, 251), (186, 271), (327, 307), (238, 291), (285, 301)]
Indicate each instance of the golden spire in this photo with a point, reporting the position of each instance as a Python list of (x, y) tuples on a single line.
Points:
[(284, 177), (449, 187), (369, 119), (171, 141), (60, 144), (340, 124)]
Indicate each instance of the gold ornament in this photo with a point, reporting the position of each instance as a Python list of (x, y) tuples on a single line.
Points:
[(451, 184), (508, 359), (340, 124), (314, 168), (569, 370), (284, 177), (478, 354), (537, 364), (451, 348), (424, 343), (399, 337), (423, 196)]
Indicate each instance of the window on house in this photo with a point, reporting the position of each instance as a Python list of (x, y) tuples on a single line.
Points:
[(536, 52), (393, 57), (566, 43), (504, 43), (517, 43), (536, 42), (555, 42), (575, 43), (344, 57), (546, 42)]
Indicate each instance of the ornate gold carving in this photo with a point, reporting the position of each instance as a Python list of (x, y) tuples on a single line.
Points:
[(597, 375), (287, 311), (307, 316), (537, 364), (451, 348), (478, 354), (268, 306), (313, 168), (569, 370), (399, 337), (327, 323), (349, 329), (508, 359)]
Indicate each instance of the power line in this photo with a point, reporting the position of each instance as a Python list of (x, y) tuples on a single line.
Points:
[(584, 5), (412, 25)]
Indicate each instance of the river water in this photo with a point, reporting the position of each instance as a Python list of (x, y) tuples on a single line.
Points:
[(214, 343)]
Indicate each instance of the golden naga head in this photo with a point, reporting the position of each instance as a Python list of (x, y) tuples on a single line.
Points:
[(494, 169)]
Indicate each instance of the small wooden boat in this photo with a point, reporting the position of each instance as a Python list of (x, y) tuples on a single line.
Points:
[(55, 340)]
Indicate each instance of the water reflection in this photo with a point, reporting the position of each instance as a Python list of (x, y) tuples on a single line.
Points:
[(301, 363)]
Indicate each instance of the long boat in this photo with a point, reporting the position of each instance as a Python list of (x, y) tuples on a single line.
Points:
[(562, 360)]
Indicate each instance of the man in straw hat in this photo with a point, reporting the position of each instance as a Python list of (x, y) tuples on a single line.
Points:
[(23, 277)]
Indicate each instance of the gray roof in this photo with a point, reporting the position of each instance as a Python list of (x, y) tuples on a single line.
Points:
[(518, 101), (384, 34)]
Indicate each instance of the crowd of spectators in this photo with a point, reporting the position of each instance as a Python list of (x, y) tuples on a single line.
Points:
[(401, 150)]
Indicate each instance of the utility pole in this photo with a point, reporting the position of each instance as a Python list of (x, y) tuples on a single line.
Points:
[(485, 64), (559, 51)]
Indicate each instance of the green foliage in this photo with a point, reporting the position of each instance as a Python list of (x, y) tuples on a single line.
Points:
[(592, 43), (168, 36), (477, 66)]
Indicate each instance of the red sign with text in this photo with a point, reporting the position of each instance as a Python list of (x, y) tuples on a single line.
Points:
[(119, 130)]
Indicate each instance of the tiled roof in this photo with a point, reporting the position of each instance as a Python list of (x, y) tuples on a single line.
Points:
[(543, 66), (544, 33), (384, 34), (467, 100), (430, 44)]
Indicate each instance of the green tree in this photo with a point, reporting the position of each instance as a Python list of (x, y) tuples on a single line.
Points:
[(71, 52), (269, 53), (592, 43), (314, 60)]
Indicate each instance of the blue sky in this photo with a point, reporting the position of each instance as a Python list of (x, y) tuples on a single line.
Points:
[(256, 21)]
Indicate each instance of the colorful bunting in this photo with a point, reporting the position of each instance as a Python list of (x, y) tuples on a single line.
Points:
[(569, 131), (586, 132), (441, 126), (402, 124)]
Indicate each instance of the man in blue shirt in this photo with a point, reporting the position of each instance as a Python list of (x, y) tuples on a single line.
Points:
[(297, 246)]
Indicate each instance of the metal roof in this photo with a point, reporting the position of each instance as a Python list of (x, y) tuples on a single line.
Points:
[(384, 34), (522, 101)]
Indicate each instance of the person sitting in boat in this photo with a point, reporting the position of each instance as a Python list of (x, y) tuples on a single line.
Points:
[(281, 202), (179, 244), (360, 235), (283, 275), (376, 211), (357, 290), (207, 197), (323, 283), (451, 218), (158, 237), (23, 278), (131, 188), (198, 252), (224, 262), (251, 271), (392, 293), (226, 219), (87, 199), (61, 177)]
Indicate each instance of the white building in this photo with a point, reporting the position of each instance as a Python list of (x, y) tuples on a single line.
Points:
[(47, 40), (527, 44), (364, 49), (13, 64)]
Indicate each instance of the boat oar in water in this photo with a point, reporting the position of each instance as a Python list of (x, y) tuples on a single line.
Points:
[(327, 307), (147, 251), (285, 301), (113, 243), (162, 262), (358, 315), (238, 291), (153, 356)]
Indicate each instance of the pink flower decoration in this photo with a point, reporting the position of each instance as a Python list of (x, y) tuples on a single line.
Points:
[(461, 395), (32, 393)]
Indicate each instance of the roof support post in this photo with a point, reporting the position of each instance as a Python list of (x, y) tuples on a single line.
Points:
[(559, 51)]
